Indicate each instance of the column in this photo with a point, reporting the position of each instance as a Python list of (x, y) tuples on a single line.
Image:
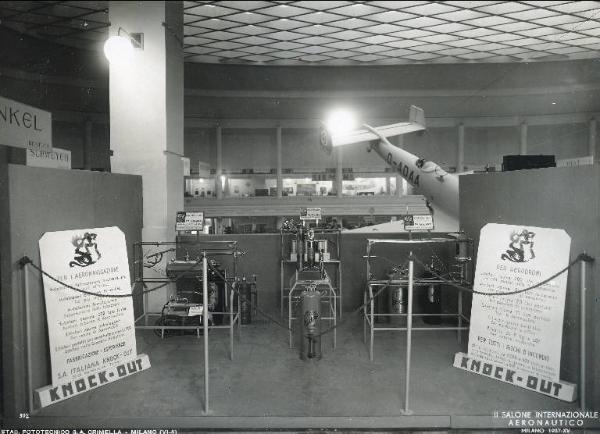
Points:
[(219, 171), (388, 184), (592, 140), (88, 145), (146, 110), (523, 148), (339, 175), (279, 163), (460, 151)]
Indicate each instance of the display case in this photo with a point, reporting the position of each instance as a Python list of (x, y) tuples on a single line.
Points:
[(396, 287), (176, 268), (328, 237)]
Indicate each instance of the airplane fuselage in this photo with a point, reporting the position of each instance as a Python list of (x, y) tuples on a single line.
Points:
[(438, 186)]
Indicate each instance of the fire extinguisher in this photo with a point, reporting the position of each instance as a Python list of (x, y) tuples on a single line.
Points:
[(310, 329), (245, 301), (432, 302)]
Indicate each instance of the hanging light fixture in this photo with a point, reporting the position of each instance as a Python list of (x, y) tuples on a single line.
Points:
[(118, 48)]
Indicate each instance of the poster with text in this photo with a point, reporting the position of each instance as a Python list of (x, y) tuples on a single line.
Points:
[(87, 334), (522, 332)]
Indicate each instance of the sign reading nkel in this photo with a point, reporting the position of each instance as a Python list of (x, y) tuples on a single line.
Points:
[(24, 126)]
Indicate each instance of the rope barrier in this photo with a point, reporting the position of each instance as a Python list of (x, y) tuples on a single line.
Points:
[(581, 257), (26, 260)]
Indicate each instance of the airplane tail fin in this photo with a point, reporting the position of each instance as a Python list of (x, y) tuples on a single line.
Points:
[(416, 116)]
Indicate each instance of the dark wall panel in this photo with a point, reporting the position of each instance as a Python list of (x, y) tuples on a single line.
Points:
[(36, 201), (566, 198)]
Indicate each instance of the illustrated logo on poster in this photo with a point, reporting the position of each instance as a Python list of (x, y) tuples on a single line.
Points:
[(86, 250), (520, 247)]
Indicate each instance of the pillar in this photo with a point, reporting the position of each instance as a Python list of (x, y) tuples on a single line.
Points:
[(219, 171), (146, 110), (592, 141), (388, 185), (88, 147), (523, 148), (460, 151), (399, 188), (279, 163), (339, 175)]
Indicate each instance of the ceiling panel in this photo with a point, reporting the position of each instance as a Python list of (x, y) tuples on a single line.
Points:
[(343, 32)]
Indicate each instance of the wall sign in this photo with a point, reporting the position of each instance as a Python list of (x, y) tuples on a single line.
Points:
[(92, 339), (310, 214), (418, 222), (189, 221), (22, 125), (57, 158), (518, 338)]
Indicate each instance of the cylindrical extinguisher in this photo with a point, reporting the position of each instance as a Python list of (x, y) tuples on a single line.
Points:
[(246, 301), (310, 329), (432, 303)]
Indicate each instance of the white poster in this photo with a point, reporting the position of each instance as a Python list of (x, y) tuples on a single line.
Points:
[(92, 339), (57, 158), (518, 337), (22, 125)]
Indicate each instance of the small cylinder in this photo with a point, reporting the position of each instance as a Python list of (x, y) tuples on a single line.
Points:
[(398, 300), (245, 302), (310, 329)]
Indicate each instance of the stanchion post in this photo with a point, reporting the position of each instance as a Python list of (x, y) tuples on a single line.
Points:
[(406, 410), (28, 338), (582, 349), (205, 326)]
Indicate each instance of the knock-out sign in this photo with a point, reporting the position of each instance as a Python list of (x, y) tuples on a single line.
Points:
[(557, 389), (51, 394)]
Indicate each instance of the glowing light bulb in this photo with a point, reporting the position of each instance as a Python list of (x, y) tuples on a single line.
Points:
[(340, 121), (118, 49)]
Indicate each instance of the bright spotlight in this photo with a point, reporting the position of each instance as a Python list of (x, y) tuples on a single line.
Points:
[(118, 49), (340, 122)]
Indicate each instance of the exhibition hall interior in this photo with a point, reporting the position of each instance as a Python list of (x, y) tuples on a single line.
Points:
[(300, 215)]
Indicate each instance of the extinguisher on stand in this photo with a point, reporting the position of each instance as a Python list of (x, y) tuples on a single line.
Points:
[(310, 324)]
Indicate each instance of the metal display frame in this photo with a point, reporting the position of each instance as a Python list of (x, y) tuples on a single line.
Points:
[(209, 250), (410, 282), (284, 263), (369, 314)]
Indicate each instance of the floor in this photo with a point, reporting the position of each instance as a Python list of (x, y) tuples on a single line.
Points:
[(267, 383)]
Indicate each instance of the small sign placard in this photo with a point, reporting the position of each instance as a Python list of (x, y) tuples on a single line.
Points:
[(55, 158), (189, 221), (195, 310), (310, 214), (422, 222)]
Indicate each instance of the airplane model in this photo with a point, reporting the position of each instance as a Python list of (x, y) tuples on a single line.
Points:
[(439, 187)]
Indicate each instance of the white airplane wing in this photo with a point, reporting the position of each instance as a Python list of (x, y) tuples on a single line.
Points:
[(416, 123)]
